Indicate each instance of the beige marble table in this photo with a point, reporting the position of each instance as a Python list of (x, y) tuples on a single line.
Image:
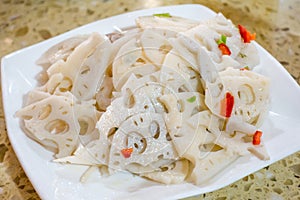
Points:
[(276, 23)]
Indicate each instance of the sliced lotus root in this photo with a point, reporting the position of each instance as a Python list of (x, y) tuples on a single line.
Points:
[(214, 87), (54, 84), (51, 122), (57, 122), (92, 70), (35, 96), (129, 57), (186, 48), (136, 96), (248, 56), (155, 45), (60, 51), (185, 103), (251, 94), (99, 149), (95, 152), (204, 152), (197, 127), (208, 33), (87, 116), (121, 108), (178, 71), (141, 55), (172, 23), (138, 71), (80, 157), (173, 173), (241, 145), (104, 94), (207, 167), (146, 136), (57, 85), (180, 121), (71, 67), (147, 86)]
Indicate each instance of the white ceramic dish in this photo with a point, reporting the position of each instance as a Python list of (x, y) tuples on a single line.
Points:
[(55, 181)]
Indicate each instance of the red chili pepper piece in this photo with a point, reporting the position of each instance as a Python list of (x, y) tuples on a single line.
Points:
[(256, 138), (224, 49), (246, 35), (127, 152), (227, 105)]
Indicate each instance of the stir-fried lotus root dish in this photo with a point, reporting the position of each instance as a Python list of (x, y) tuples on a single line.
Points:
[(172, 100)]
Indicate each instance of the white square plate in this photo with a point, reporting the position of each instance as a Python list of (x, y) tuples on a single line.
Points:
[(56, 181)]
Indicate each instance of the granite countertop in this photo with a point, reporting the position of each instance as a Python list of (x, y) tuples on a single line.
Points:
[(276, 23)]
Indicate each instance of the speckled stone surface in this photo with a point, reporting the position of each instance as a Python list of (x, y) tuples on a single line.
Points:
[(276, 23)]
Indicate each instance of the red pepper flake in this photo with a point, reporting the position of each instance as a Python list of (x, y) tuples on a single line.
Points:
[(256, 138), (246, 35), (224, 49), (127, 152), (227, 105)]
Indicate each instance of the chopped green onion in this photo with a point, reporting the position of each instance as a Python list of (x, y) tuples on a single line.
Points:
[(192, 99), (222, 40), (162, 15), (242, 55)]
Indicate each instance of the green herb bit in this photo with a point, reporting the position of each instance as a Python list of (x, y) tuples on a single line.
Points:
[(192, 99), (222, 40), (162, 15), (242, 55)]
